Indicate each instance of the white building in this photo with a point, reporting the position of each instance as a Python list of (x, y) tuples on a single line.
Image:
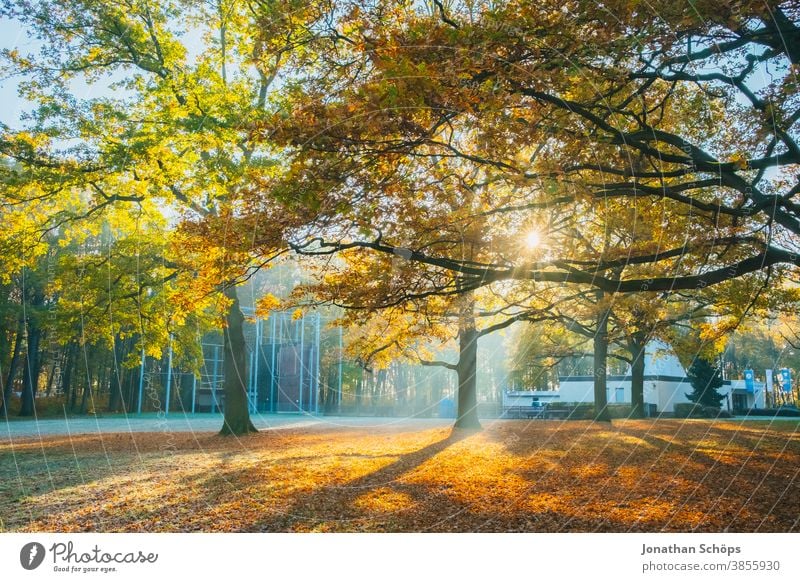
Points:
[(739, 398), (665, 385), (665, 382)]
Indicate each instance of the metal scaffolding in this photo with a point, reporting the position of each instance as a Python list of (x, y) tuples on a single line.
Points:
[(286, 354), (284, 369), (283, 365)]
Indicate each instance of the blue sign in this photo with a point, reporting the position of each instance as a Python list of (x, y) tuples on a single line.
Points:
[(749, 381), (447, 408), (786, 379)]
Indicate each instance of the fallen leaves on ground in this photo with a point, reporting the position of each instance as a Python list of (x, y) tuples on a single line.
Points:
[(514, 476)]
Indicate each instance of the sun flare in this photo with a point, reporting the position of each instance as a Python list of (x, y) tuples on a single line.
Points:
[(532, 239)]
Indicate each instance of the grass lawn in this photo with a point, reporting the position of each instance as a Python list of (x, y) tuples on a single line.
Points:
[(539, 476)]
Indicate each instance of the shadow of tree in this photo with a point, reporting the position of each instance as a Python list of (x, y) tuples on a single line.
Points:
[(335, 505), (513, 476)]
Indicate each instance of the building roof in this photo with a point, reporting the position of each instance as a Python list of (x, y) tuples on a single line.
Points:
[(660, 363)]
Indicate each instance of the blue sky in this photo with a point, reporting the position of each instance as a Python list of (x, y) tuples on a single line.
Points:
[(13, 36)]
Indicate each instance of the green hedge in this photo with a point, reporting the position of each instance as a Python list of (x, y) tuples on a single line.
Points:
[(687, 410), (788, 412), (691, 410), (577, 410), (619, 410)]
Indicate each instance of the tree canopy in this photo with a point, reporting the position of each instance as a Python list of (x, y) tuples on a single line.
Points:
[(443, 169)]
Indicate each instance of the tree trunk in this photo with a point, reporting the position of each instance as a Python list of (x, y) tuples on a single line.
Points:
[(330, 392), (55, 366), (30, 370), (401, 386), (5, 332), (104, 371), (12, 367), (466, 368), (131, 385), (69, 372), (73, 396), (86, 380), (380, 384), (359, 389), (85, 396), (131, 395), (237, 415), (115, 396), (373, 394), (600, 369), (636, 346)]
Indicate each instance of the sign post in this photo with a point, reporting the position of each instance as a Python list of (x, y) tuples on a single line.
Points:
[(786, 379), (749, 381), (769, 388)]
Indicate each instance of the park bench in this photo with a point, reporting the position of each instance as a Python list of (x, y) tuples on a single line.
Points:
[(542, 412), (525, 412)]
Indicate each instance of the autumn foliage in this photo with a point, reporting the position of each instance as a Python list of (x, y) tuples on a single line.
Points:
[(518, 476)]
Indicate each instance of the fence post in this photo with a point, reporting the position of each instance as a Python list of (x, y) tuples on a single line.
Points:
[(141, 382), (169, 375)]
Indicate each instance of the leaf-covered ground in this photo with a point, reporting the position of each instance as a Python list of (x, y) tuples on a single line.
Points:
[(540, 476)]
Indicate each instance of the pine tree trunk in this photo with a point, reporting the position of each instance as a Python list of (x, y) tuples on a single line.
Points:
[(359, 389), (115, 397), (402, 384), (380, 384), (237, 415), (5, 331), (30, 370), (12, 367), (85, 396), (103, 374), (330, 393), (86, 379), (131, 394), (373, 391), (66, 378), (73, 397), (131, 385), (637, 349), (51, 376), (600, 368), (466, 368)]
